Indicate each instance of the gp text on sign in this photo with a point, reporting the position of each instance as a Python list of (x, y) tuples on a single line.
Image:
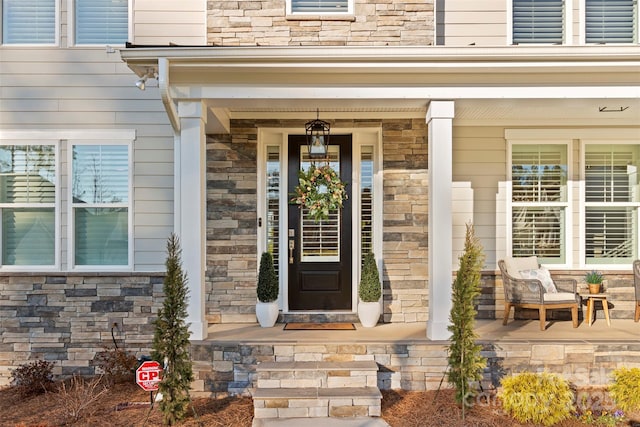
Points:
[(149, 375)]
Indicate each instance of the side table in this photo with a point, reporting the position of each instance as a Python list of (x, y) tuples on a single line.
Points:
[(591, 300)]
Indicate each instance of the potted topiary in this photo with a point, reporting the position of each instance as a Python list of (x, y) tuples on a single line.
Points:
[(370, 292), (267, 291), (594, 281)]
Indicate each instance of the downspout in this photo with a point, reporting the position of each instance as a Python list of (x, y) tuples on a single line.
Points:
[(163, 86)]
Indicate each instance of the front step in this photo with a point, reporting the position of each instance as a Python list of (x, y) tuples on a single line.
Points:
[(317, 389)]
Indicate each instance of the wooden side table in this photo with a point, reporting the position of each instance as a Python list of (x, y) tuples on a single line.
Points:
[(591, 300)]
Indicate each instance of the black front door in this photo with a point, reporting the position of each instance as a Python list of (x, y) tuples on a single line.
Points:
[(319, 253)]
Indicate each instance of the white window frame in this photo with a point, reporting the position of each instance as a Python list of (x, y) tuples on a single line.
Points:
[(583, 24), (56, 37), (566, 205), (72, 207), (583, 204), (15, 140), (71, 25), (567, 24), (349, 12)]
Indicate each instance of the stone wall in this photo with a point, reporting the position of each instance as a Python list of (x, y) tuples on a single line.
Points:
[(412, 365), (67, 319), (232, 219), (374, 23)]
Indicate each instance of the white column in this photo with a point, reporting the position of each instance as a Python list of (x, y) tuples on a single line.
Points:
[(439, 122), (190, 209)]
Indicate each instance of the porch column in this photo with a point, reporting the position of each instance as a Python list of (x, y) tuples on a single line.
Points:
[(439, 122), (190, 208)]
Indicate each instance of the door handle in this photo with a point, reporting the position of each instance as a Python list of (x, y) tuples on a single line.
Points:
[(292, 246)]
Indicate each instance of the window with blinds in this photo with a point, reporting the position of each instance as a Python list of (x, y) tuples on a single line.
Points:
[(101, 21), (273, 204), (539, 196), (28, 21), (538, 21), (100, 187), (321, 240), (319, 6), (611, 203), (27, 204), (366, 200), (610, 21)]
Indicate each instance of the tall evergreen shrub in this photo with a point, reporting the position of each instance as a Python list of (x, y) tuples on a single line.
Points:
[(267, 289), (370, 289), (171, 339), (465, 362)]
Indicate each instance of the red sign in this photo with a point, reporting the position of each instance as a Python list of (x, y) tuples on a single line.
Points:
[(149, 375)]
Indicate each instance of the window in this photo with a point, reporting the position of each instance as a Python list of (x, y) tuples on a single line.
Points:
[(539, 201), (538, 21), (315, 7), (366, 199), (611, 203), (27, 204), (100, 203), (101, 21), (610, 21), (28, 21)]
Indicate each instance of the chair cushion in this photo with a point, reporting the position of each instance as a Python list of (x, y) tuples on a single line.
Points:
[(541, 274), (558, 296), (515, 265)]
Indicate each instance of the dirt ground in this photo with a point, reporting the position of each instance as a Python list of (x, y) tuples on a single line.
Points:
[(128, 405)]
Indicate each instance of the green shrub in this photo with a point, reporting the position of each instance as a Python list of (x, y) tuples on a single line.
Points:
[(370, 289), (625, 390), (33, 378), (268, 286), (593, 277), (539, 398)]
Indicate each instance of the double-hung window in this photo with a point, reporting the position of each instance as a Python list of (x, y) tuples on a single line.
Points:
[(27, 204), (538, 21), (100, 185), (319, 7), (101, 22), (611, 21), (611, 203), (539, 201), (29, 21)]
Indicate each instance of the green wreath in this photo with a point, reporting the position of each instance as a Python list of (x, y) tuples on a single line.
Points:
[(320, 190)]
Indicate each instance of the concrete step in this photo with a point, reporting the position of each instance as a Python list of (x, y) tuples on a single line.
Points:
[(317, 402)]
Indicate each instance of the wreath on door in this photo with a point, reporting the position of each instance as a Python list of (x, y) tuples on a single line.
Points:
[(319, 190)]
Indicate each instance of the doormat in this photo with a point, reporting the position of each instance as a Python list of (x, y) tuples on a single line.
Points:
[(327, 326)]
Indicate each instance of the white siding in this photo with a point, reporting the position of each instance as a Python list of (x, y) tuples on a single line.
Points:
[(466, 22), (88, 88), (181, 22)]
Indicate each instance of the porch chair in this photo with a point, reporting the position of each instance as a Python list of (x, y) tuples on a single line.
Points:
[(636, 285), (527, 285)]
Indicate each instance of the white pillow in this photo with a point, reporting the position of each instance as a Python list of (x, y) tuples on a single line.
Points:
[(543, 275), (514, 265)]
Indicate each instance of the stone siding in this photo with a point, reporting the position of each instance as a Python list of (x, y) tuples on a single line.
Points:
[(232, 219), (411, 366), (373, 23), (67, 319)]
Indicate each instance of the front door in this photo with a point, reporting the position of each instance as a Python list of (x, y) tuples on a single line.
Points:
[(319, 253)]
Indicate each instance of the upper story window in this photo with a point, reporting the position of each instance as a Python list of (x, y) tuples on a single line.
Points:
[(100, 202), (610, 21), (101, 22), (27, 204), (538, 21), (29, 21), (319, 7), (539, 201)]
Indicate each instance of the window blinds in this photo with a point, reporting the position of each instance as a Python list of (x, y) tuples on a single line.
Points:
[(28, 22), (610, 21), (102, 21), (538, 21), (318, 6)]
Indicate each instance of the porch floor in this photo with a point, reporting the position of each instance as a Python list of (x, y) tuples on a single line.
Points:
[(621, 330)]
